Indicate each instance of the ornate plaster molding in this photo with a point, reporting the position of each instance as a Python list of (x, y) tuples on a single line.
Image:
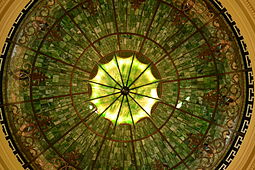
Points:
[(5, 5), (253, 166), (2, 4), (250, 6)]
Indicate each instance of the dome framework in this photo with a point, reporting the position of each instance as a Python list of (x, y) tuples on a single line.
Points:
[(219, 67)]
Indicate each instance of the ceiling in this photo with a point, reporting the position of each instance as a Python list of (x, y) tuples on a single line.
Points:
[(49, 76)]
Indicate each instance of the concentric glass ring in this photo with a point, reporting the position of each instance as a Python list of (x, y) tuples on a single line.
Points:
[(117, 84)]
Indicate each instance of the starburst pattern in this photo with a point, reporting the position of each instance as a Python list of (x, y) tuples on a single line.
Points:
[(116, 90)]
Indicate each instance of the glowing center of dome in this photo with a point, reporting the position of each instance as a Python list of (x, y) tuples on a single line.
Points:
[(124, 90)]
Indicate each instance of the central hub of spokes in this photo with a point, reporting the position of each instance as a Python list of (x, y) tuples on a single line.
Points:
[(125, 90)]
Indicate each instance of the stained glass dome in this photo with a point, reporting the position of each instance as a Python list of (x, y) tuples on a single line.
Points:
[(125, 84)]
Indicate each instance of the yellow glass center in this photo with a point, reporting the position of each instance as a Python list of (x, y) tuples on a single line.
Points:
[(124, 90)]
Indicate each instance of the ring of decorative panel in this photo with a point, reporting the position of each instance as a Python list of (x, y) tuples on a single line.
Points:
[(125, 84)]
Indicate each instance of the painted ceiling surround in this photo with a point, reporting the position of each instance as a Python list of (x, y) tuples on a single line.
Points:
[(137, 84)]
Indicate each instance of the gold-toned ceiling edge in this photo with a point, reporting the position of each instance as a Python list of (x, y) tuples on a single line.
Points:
[(4, 6), (245, 19), (2, 3), (251, 6), (8, 14), (242, 12), (3, 164), (252, 166)]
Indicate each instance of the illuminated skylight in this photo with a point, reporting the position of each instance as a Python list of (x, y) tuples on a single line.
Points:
[(118, 92)]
